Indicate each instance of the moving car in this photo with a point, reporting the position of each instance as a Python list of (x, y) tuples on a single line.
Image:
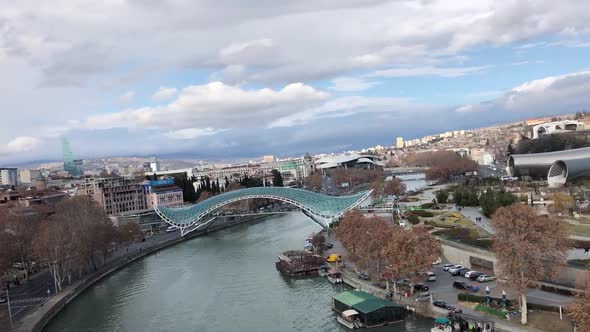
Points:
[(333, 258), (446, 267), (422, 297), (430, 276), (362, 275), (461, 285), (485, 278)]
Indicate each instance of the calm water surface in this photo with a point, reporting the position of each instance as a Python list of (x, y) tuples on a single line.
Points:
[(225, 281)]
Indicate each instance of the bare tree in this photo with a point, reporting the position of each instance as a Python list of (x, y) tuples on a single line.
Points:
[(314, 181), (347, 232), (528, 247), (409, 253), (23, 225), (579, 309), (378, 186), (55, 245), (394, 187)]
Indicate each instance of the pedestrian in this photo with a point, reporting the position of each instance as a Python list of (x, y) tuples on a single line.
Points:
[(587, 251)]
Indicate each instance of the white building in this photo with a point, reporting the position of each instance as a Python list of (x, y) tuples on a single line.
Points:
[(555, 127), (9, 176)]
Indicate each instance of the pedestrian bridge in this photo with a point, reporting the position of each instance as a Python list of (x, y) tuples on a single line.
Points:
[(321, 208)]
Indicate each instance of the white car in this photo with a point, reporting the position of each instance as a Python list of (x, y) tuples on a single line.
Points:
[(438, 261), (469, 273), (486, 278), (430, 276), (455, 268), (446, 267)]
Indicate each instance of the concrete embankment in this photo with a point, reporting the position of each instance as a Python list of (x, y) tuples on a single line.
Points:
[(39, 318)]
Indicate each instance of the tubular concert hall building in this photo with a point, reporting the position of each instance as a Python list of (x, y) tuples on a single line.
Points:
[(559, 167)]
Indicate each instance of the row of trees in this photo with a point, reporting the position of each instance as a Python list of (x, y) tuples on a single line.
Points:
[(488, 198), (398, 253), (355, 176), (442, 164), (77, 238)]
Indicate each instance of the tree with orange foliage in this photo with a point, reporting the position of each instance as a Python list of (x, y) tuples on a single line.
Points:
[(348, 230), (204, 195), (528, 247), (372, 237), (579, 309), (442, 164)]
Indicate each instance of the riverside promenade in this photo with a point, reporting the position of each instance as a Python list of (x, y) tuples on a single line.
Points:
[(36, 320)]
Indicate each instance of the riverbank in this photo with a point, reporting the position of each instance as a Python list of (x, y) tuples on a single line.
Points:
[(38, 319)]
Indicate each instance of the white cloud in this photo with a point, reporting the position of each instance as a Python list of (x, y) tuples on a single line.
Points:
[(427, 71), (552, 94), (20, 144), (347, 106), (347, 84), (191, 133), (213, 105), (127, 97), (164, 93)]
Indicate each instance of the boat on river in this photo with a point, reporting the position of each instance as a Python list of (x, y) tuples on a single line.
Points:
[(323, 270), (350, 318), (334, 276)]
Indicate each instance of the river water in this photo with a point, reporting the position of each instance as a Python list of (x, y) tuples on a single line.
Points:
[(224, 281)]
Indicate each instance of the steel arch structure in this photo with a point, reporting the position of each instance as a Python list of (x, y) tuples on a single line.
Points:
[(325, 208)]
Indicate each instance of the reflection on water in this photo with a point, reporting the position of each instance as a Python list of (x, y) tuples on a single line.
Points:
[(225, 281)]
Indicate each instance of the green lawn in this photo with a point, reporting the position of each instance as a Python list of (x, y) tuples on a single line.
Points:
[(580, 230)]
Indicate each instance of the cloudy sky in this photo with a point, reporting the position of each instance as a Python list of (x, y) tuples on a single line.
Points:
[(223, 78)]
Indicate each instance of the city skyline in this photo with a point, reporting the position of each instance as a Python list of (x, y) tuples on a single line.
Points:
[(220, 79)]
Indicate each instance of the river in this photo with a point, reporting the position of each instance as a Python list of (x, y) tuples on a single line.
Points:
[(223, 281)]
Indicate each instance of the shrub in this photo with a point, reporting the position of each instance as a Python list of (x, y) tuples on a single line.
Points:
[(542, 307), (557, 290), (491, 311), (427, 205), (413, 219), (466, 297), (422, 213)]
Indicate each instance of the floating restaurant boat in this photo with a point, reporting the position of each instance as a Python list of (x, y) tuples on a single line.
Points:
[(358, 309), (335, 276), (296, 263)]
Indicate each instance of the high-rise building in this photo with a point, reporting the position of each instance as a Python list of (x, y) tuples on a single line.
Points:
[(28, 176), (399, 143), (9, 176), (268, 159), (73, 167)]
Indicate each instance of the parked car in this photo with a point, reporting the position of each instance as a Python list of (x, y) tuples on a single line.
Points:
[(485, 278), (430, 276), (363, 275), (468, 273), (438, 261), (459, 272), (473, 275), (421, 287), (422, 297), (455, 268), (461, 285), (440, 304), (446, 267)]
